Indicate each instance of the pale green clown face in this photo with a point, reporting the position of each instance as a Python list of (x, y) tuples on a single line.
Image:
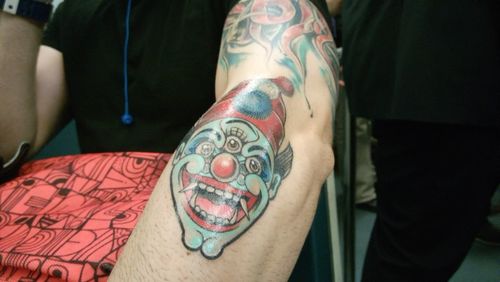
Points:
[(222, 180)]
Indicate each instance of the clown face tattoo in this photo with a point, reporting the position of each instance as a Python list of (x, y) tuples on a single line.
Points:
[(231, 165)]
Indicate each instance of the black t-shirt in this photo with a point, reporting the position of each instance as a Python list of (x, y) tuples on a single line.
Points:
[(431, 61), (173, 49)]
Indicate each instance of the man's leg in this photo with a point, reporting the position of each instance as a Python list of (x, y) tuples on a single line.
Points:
[(434, 187)]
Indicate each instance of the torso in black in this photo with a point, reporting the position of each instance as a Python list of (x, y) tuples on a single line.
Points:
[(172, 60), (430, 61)]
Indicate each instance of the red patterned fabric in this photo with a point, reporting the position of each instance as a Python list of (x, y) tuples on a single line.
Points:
[(69, 217)]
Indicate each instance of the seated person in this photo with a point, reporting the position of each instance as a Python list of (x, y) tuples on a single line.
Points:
[(237, 197)]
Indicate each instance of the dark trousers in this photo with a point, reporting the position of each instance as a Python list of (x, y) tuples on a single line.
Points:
[(434, 186)]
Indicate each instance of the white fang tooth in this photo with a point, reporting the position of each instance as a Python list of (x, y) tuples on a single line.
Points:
[(210, 189), (228, 195), (226, 221), (244, 207), (202, 185), (233, 219), (188, 188), (203, 214), (219, 192), (192, 201), (197, 208), (236, 198)]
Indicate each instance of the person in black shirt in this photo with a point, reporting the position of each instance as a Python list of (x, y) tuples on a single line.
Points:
[(427, 73), (238, 196)]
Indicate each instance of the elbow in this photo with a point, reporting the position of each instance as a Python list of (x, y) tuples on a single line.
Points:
[(15, 144), (313, 161), (327, 160), (320, 158)]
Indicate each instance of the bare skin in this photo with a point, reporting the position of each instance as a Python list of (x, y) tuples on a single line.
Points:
[(32, 86), (264, 44), (181, 243)]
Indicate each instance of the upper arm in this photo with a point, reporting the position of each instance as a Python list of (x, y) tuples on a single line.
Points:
[(266, 39), (51, 96), (238, 196)]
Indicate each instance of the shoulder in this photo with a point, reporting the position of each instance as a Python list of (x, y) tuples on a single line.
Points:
[(320, 4), (69, 10)]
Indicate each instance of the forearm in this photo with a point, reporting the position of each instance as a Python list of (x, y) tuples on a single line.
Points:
[(266, 252), (189, 232), (237, 199), (19, 43)]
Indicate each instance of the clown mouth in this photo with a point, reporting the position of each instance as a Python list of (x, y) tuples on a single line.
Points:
[(230, 204), (214, 205)]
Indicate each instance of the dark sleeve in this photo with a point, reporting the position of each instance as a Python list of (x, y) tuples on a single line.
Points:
[(53, 30)]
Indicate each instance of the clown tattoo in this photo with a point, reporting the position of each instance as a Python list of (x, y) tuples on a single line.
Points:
[(231, 165)]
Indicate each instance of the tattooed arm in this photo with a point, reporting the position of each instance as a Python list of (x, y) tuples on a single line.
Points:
[(237, 199)]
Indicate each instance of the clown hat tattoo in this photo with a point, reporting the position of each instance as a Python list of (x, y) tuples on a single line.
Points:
[(231, 164)]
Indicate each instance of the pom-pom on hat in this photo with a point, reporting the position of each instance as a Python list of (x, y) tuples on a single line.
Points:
[(257, 101)]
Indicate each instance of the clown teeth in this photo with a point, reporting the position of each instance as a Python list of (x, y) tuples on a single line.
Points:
[(235, 201), (233, 219), (244, 207), (188, 188), (213, 219), (192, 201)]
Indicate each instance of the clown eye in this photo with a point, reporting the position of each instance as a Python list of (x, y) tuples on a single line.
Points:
[(253, 165), (205, 149), (233, 144)]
